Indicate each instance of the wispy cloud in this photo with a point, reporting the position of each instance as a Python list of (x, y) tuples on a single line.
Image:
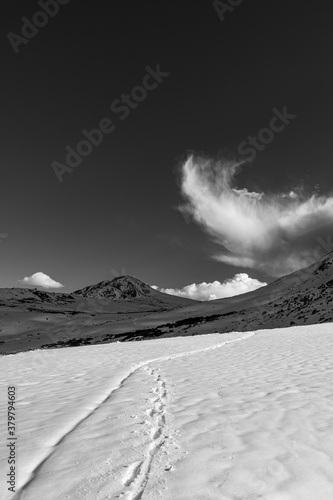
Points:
[(40, 279), (240, 283), (270, 232)]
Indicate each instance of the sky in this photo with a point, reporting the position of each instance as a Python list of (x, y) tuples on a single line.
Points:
[(212, 161)]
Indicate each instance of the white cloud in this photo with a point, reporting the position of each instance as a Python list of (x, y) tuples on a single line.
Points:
[(40, 279), (240, 283), (272, 232)]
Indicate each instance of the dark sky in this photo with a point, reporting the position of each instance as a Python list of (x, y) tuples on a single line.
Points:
[(118, 208)]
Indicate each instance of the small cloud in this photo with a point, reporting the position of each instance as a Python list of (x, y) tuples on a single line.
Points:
[(40, 279), (240, 283)]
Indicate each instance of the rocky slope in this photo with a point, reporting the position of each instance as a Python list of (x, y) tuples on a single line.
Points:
[(120, 288)]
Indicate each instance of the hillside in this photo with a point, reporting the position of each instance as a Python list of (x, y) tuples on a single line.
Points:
[(122, 294), (31, 318), (126, 309), (303, 297)]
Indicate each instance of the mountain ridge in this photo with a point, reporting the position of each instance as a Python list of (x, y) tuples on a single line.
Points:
[(115, 293), (126, 309)]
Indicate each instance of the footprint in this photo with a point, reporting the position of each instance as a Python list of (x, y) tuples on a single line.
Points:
[(132, 472), (158, 407), (154, 449), (161, 420), (156, 433)]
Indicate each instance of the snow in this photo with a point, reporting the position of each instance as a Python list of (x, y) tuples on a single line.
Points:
[(239, 416)]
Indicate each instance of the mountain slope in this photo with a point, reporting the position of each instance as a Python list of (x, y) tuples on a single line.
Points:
[(130, 289), (31, 318), (303, 297)]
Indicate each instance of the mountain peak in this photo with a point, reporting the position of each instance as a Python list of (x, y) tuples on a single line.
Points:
[(121, 287), (126, 278)]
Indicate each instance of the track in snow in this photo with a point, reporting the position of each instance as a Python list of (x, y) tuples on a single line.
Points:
[(137, 474)]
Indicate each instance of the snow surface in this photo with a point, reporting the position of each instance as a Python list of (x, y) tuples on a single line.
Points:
[(239, 416)]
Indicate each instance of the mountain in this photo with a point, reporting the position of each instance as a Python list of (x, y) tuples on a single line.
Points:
[(306, 292), (120, 288), (125, 293), (127, 309), (303, 297), (32, 318)]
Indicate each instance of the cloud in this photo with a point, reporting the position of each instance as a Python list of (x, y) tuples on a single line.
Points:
[(240, 283), (271, 232), (40, 279)]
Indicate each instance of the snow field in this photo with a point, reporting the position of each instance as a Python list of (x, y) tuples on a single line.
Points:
[(228, 417)]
